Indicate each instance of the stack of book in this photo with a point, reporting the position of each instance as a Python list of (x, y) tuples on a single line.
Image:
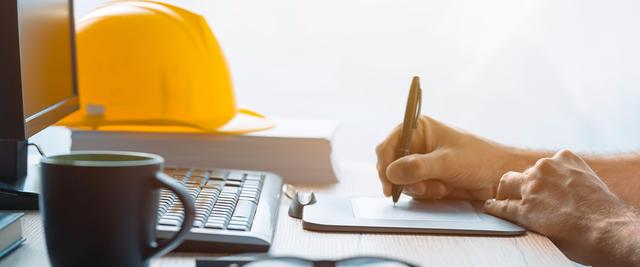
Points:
[(10, 232), (298, 150)]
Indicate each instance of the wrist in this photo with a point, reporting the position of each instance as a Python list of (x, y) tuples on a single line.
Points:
[(618, 238), (518, 159)]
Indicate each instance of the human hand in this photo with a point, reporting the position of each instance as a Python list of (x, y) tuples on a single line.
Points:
[(563, 198), (447, 163)]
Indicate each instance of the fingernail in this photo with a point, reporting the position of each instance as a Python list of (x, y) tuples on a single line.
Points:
[(490, 201)]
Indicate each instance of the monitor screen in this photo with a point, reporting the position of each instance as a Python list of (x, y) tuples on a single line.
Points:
[(47, 62)]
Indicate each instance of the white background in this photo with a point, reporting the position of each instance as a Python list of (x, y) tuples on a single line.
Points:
[(538, 74)]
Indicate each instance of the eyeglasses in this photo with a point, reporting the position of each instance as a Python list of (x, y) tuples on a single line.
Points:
[(347, 262)]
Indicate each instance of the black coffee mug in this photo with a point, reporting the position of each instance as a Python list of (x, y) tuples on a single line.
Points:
[(99, 208)]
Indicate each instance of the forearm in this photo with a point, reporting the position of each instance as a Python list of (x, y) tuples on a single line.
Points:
[(621, 173), (521, 159), (618, 238)]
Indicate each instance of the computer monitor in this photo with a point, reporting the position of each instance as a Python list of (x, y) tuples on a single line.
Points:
[(37, 86)]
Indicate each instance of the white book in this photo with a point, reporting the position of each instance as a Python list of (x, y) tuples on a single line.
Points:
[(298, 150)]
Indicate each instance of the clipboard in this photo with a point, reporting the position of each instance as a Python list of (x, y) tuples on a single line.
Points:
[(329, 213)]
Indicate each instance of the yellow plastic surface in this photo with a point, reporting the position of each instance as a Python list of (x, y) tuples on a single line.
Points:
[(145, 63)]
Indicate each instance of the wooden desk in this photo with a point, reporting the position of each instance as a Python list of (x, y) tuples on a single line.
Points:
[(357, 179)]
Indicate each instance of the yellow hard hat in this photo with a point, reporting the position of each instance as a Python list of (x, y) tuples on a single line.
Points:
[(146, 65)]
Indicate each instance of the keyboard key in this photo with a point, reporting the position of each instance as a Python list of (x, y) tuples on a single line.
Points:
[(173, 215), (180, 172), (230, 201), (177, 217), (226, 201), (169, 222), (238, 222), (245, 209), (214, 219), (198, 222), (217, 220), (250, 187), (214, 225), (214, 184), (206, 200), (249, 191), (217, 175), (205, 206), (253, 177), (235, 176), (237, 227), (233, 183), (199, 173), (221, 212), (200, 211), (230, 190), (252, 199), (180, 179), (222, 222), (255, 198), (227, 197)]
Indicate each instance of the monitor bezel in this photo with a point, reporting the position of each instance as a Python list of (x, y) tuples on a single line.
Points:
[(50, 115)]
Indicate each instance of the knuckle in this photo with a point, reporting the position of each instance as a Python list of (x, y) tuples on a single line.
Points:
[(543, 162), (545, 165), (566, 153), (380, 148), (502, 181), (505, 179), (508, 175), (379, 167)]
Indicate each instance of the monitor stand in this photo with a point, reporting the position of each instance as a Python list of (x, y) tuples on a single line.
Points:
[(23, 195)]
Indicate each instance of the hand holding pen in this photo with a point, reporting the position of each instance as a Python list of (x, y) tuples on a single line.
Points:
[(443, 162), (411, 115)]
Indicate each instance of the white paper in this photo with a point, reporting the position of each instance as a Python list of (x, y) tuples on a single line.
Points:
[(408, 209)]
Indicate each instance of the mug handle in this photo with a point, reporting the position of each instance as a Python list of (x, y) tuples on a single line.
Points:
[(189, 214)]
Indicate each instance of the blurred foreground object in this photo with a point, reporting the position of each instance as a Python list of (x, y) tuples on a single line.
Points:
[(150, 66)]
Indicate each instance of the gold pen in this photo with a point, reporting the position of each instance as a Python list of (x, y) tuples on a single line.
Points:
[(411, 116)]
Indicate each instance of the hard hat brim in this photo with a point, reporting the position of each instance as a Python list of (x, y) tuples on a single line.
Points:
[(246, 121)]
